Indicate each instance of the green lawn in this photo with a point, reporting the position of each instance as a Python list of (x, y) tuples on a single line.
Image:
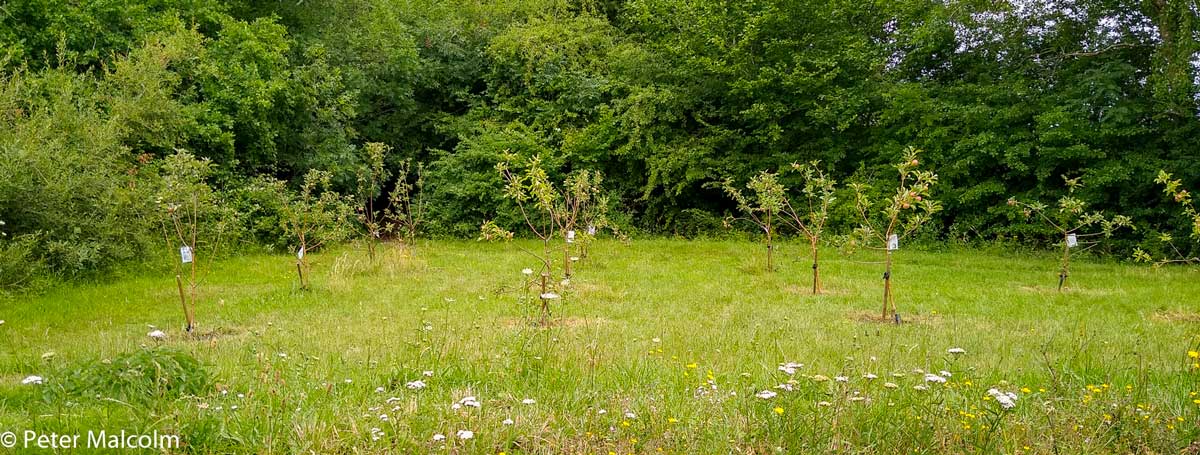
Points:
[(659, 345)]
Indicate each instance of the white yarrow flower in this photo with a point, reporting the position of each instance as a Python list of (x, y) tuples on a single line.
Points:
[(157, 335), (439, 437), (891, 385), (1007, 400), (549, 296), (841, 379), (32, 380), (465, 434), (945, 373), (415, 385), (527, 272), (790, 367), (765, 394), (869, 376), (956, 351), (528, 401), (427, 373), (507, 422), (930, 377), (921, 387), (469, 401)]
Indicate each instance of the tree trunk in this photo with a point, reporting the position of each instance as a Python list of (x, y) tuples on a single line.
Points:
[(187, 310), (887, 285), (770, 252), (1064, 270), (566, 259), (816, 271)]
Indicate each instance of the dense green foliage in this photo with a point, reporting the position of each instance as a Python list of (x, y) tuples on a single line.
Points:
[(663, 97)]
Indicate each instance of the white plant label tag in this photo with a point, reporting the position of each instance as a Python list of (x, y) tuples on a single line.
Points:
[(185, 254), (1072, 241), (893, 242), (591, 229), (571, 236), (300, 253)]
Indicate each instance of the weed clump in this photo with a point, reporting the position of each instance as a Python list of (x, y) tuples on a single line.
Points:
[(141, 377)]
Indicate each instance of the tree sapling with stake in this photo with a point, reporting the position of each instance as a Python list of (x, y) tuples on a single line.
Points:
[(819, 195), (371, 176), (1076, 227), (886, 223), (192, 218), (762, 208), (406, 206), (314, 216)]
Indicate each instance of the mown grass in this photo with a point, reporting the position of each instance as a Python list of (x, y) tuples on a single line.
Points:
[(680, 335)]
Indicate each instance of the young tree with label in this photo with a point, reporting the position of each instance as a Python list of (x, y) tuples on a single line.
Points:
[(193, 219), (888, 221), (315, 216), (1076, 227), (819, 196)]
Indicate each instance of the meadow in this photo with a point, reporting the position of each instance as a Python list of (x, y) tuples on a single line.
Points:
[(664, 346)]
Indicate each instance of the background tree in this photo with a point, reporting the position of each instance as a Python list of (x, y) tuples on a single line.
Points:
[(1174, 187), (313, 217), (371, 177)]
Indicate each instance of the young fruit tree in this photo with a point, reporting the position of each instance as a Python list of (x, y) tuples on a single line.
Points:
[(193, 219), (406, 205), (580, 191), (371, 176), (819, 195), (545, 212), (762, 208), (313, 217), (888, 221), (1174, 187), (594, 218), (1076, 227)]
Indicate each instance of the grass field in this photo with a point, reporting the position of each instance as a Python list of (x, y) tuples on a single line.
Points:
[(660, 345)]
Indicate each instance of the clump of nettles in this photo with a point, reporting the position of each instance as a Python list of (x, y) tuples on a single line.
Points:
[(143, 377), (1173, 187), (1076, 226)]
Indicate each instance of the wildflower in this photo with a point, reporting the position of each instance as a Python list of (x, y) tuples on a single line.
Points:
[(890, 385), (427, 373), (787, 386), (1192, 354), (415, 385), (439, 437), (376, 434), (956, 351), (1007, 400), (824, 403), (920, 387), (1026, 390), (549, 296), (790, 367), (656, 340), (693, 366), (857, 398), (778, 410), (1, 322), (820, 378), (945, 373), (465, 434), (48, 355), (157, 335), (383, 417), (527, 272), (469, 401), (601, 412), (869, 376), (574, 258), (630, 415), (672, 420), (283, 355), (32, 380), (841, 379), (930, 377), (379, 389), (765, 394)]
